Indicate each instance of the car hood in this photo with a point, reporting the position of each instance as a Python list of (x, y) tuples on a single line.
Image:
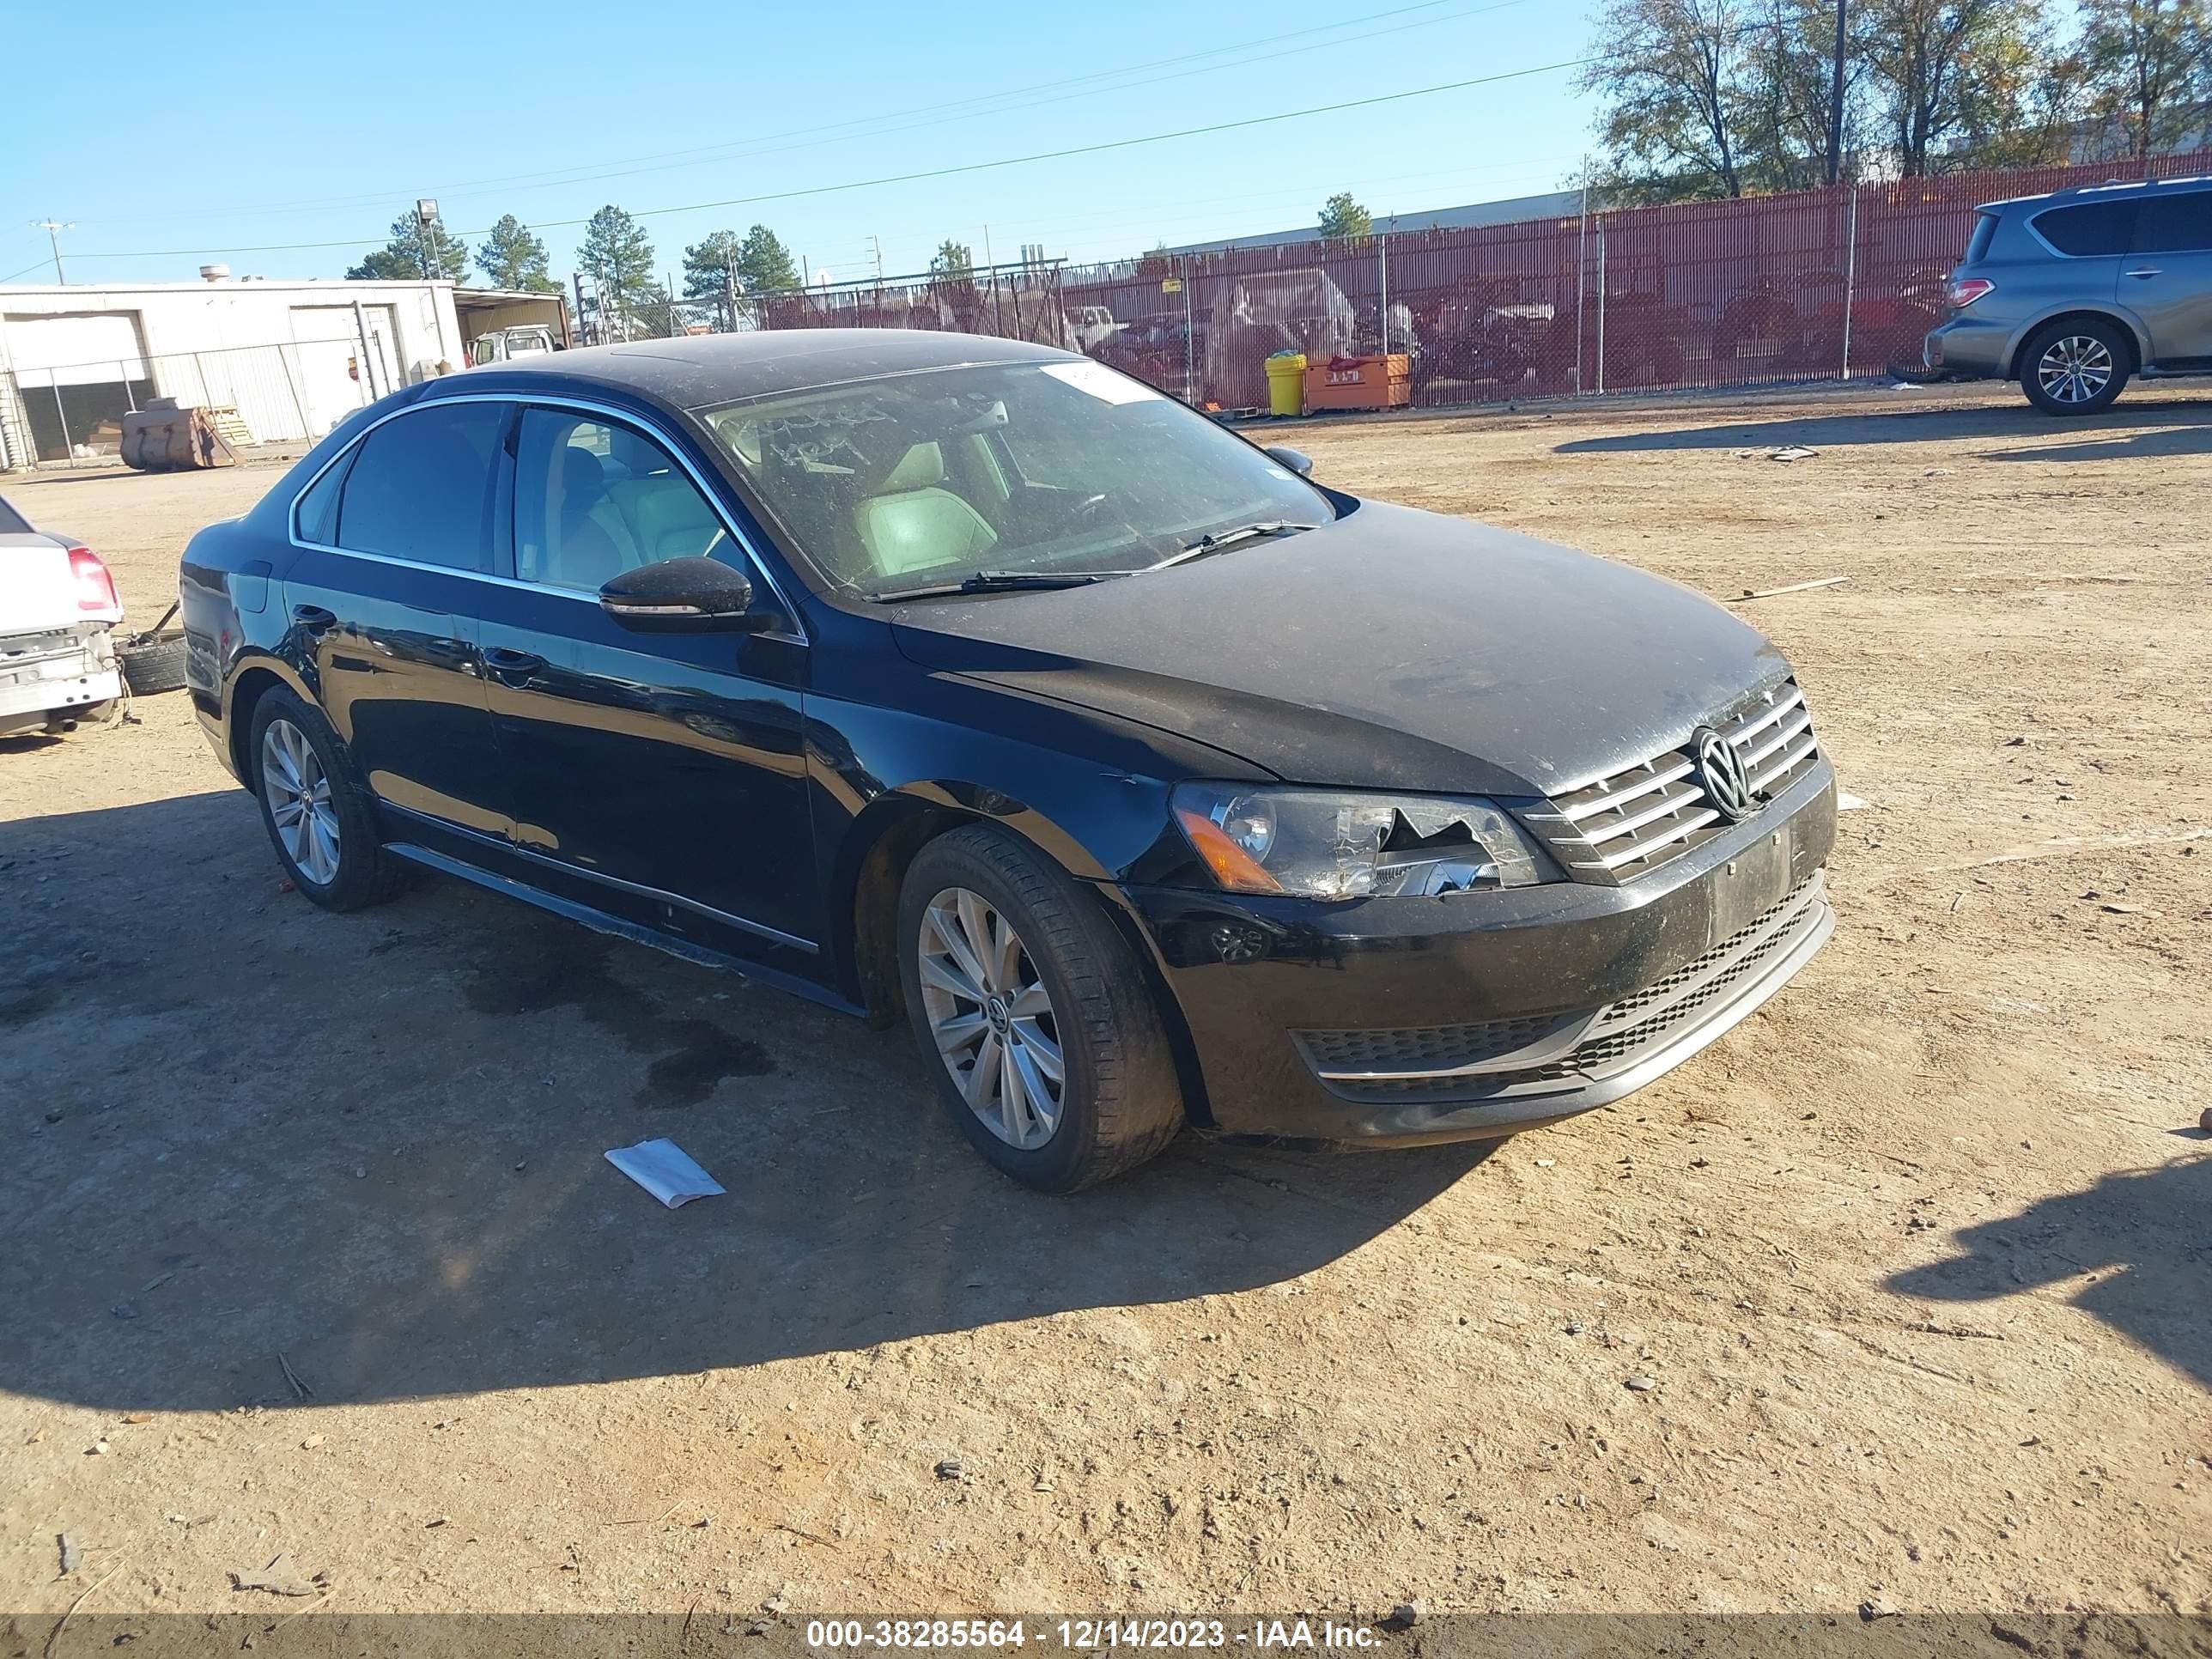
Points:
[(1390, 649)]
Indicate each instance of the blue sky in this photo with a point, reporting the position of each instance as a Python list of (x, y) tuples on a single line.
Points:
[(224, 129)]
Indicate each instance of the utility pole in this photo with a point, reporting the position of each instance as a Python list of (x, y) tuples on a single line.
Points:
[(876, 248), (54, 228), (1836, 98)]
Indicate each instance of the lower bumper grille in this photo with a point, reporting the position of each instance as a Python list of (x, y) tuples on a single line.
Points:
[(1568, 1052)]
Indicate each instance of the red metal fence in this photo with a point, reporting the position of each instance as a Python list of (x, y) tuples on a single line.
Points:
[(1822, 284)]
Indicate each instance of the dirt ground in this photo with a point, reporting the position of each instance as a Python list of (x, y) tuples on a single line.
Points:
[(307, 1244)]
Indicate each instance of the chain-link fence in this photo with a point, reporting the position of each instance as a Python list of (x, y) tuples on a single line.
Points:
[(1821, 285), (1827, 284)]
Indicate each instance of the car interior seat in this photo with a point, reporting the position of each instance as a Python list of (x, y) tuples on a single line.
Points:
[(590, 543), (909, 521)]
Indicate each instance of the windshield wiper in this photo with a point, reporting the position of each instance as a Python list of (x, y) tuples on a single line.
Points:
[(1217, 541), (1000, 582)]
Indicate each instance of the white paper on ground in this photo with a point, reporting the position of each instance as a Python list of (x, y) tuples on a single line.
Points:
[(665, 1171)]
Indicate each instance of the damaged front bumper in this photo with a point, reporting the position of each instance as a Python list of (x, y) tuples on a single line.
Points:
[(1408, 1020), (56, 674)]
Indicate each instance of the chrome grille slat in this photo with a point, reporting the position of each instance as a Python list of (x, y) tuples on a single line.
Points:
[(1612, 829), (1614, 795), (1598, 834), (1781, 739), (1677, 831), (1765, 779), (1782, 702)]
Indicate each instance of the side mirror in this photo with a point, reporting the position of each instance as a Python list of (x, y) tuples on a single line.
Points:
[(684, 596), (1297, 460)]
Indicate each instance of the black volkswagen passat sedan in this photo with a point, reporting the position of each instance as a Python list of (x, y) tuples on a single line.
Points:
[(1156, 783)]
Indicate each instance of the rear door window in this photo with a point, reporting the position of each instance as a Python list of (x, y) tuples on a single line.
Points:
[(2179, 222), (420, 487), (2090, 229)]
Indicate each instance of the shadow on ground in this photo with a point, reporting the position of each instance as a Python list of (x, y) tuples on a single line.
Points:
[(2141, 429), (2145, 1234), (235, 1126)]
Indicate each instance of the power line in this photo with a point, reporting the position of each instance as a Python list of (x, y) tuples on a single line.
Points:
[(931, 172), (732, 148)]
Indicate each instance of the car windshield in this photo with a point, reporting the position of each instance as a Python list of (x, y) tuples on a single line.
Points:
[(1033, 469)]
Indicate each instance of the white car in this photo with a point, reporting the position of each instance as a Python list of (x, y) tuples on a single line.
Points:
[(58, 612)]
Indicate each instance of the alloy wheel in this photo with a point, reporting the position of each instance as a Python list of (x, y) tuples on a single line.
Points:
[(2075, 369), (298, 793), (992, 1018)]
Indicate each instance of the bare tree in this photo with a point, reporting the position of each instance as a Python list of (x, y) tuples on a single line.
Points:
[(1673, 73), (2145, 63)]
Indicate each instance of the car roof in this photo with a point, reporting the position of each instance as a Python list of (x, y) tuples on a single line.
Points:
[(2094, 193), (699, 370)]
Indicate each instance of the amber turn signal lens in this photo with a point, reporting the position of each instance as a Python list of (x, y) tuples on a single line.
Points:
[(1232, 866)]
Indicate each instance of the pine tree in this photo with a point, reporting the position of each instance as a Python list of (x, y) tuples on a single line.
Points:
[(619, 257), (511, 258), (415, 253), (764, 264), (711, 269)]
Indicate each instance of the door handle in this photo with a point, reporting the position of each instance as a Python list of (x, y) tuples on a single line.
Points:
[(2144, 270), (313, 618), (509, 667)]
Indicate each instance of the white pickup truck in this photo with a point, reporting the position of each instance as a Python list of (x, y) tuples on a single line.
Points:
[(58, 612)]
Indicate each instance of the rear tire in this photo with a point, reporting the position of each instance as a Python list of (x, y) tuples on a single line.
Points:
[(1048, 985), (2074, 367), (318, 821)]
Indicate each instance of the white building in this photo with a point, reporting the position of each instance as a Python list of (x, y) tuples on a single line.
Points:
[(292, 357)]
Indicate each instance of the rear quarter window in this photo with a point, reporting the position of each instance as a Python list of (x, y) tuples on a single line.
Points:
[(1977, 241), (12, 523), (2089, 229)]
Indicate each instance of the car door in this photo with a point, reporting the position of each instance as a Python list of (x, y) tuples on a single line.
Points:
[(2167, 278), (395, 540), (2091, 238), (660, 776)]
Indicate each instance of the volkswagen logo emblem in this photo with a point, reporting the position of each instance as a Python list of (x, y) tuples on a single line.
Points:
[(1721, 774)]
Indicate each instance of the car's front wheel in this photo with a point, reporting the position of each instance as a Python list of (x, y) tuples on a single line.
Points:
[(1033, 1014), (319, 823), (2075, 367)]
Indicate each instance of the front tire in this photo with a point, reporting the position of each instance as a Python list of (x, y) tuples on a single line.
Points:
[(319, 823), (2074, 367), (1033, 1014)]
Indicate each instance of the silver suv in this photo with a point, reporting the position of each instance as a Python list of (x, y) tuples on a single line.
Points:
[(2073, 292)]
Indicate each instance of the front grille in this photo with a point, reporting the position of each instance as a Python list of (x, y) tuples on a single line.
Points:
[(1423, 1047), (1638, 818), (1617, 1036)]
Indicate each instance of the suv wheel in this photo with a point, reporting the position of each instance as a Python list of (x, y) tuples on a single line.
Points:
[(2074, 367), (1033, 1014), (317, 820)]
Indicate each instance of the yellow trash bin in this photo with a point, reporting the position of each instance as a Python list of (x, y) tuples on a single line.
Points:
[(1286, 383)]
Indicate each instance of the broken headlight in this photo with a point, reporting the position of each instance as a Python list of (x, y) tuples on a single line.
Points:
[(1323, 844)]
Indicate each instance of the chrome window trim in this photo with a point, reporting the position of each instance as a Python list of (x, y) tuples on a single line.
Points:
[(795, 635)]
